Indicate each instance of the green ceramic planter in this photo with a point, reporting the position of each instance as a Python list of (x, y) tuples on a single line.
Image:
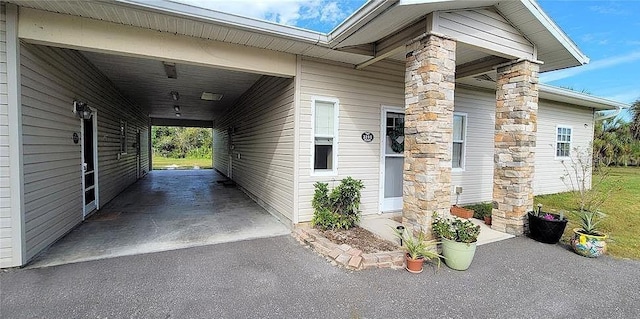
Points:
[(457, 255)]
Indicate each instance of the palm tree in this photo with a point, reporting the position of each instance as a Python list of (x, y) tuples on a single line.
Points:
[(635, 121)]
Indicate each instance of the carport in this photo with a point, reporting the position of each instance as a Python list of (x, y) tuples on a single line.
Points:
[(163, 211), (90, 92)]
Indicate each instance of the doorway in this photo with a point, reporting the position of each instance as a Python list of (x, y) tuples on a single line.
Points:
[(392, 158), (89, 128)]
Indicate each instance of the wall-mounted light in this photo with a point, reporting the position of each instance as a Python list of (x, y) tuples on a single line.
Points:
[(175, 95), (178, 114), (82, 110), (176, 108), (170, 70)]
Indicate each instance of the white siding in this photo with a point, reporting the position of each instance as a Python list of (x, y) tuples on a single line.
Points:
[(477, 177), (52, 79), (548, 168), (485, 28), (6, 231), (361, 95), (262, 123)]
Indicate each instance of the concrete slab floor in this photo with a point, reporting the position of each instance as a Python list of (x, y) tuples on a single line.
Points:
[(166, 210)]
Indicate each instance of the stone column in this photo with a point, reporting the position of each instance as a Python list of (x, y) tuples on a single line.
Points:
[(515, 142), (429, 89)]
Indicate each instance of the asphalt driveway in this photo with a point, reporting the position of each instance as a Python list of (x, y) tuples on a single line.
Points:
[(278, 278)]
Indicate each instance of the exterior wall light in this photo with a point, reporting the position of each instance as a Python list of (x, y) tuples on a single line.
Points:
[(82, 110)]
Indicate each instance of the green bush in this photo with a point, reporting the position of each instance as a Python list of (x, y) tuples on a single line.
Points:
[(339, 209), (480, 210)]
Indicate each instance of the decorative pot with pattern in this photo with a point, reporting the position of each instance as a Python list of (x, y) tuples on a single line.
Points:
[(588, 245)]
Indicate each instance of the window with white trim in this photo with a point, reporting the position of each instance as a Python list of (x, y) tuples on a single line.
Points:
[(563, 141), (324, 135), (459, 138)]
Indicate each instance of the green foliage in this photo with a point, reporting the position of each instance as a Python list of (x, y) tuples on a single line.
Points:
[(418, 247), (589, 222), (480, 210), (182, 142), (617, 142), (455, 229), (339, 209)]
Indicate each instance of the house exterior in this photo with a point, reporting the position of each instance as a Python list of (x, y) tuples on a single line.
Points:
[(415, 98)]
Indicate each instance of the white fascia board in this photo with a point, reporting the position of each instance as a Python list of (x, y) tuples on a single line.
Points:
[(555, 30), (211, 16), (563, 95), (358, 19)]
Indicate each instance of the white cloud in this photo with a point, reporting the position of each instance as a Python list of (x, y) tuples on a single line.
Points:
[(596, 65), (288, 12)]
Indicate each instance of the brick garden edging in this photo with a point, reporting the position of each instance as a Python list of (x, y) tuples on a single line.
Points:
[(345, 255)]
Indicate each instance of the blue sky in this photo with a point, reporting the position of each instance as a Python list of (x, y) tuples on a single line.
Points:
[(605, 30)]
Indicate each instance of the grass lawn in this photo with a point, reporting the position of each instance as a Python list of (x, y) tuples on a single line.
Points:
[(622, 208), (180, 163)]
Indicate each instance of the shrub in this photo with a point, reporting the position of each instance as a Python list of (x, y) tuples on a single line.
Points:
[(339, 209), (480, 210)]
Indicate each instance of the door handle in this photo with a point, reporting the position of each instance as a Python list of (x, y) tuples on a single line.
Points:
[(84, 167)]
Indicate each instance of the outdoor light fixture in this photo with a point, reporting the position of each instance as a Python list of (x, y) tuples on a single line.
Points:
[(208, 96), (176, 108), (178, 114), (82, 110), (170, 70), (175, 95), (400, 230)]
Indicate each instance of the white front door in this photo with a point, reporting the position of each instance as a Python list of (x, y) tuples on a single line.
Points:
[(392, 159), (89, 164)]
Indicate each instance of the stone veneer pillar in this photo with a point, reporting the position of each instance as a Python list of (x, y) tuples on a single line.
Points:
[(515, 142), (429, 90)]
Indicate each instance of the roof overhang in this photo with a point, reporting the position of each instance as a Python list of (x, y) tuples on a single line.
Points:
[(558, 94)]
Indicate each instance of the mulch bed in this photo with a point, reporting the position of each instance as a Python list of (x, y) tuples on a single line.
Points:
[(359, 238)]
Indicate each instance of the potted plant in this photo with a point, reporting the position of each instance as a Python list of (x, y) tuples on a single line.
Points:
[(417, 250), (461, 212), (487, 217), (546, 227), (587, 240), (459, 238)]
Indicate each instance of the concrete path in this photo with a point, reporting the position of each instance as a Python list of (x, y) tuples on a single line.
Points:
[(165, 210), (277, 278)]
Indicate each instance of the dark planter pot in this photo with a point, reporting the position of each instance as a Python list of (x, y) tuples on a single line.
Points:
[(546, 231), (487, 220)]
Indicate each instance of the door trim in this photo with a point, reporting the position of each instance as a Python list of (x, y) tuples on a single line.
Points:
[(384, 109), (94, 119)]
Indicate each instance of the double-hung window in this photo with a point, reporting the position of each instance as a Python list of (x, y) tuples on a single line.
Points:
[(459, 139), (324, 135), (563, 141)]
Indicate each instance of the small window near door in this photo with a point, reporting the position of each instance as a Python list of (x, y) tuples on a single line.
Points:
[(324, 135), (563, 141), (459, 138), (123, 137)]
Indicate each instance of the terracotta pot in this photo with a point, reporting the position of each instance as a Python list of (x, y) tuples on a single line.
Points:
[(461, 212), (487, 220), (414, 265)]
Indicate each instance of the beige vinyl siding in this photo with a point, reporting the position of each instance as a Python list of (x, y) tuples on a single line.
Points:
[(6, 230), (485, 28), (477, 177), (52, 78), (548, 168), (361, 95), (262, 123)]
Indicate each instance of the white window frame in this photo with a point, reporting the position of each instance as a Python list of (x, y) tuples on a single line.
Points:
[(463, 161), (555, 145), (336, 110)]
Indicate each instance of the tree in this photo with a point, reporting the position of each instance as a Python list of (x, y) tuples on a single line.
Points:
[(181, 142), (635, 121)]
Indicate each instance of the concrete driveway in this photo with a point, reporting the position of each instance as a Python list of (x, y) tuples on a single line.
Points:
[(277, 278), (163, 211)]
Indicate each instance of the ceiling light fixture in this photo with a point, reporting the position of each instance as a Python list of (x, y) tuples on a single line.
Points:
[(175, 95), (178, 114), (176, 108), (208, 96), (170, 70)]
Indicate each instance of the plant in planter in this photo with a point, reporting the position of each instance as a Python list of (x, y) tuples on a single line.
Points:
[(339, 209), (459, 238), (462, 212), (487, 217), (588, 241), (546, 227), (417, 250)]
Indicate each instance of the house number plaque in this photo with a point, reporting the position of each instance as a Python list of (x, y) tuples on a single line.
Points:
[(367, 137), (76, 139)]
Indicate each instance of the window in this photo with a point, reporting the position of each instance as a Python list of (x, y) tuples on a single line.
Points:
[(324, 135), (459, 136), (123, 137), (563, 141)]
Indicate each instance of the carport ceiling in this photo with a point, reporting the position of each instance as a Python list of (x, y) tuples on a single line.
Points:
[(145, 82)]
